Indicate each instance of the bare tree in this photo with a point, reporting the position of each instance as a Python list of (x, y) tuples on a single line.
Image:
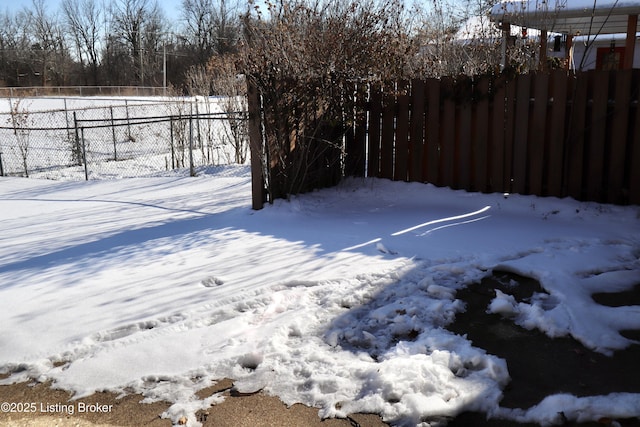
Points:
[(197, 16), (19, 120), (15, 45), (211, 26), (308, 59), (83, 19), (137, 26), (227, 82), (48, 44)]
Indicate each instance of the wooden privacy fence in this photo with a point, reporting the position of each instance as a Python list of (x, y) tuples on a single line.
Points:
[(547, 134)]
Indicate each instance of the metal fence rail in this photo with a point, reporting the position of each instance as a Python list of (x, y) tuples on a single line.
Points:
[(23, 91), (120, 141)]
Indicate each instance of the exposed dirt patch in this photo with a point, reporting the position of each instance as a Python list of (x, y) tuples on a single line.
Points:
[(254, 410), (539, 365), (618, 299)]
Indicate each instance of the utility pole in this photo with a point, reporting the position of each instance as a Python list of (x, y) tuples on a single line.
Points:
[(141, 63)]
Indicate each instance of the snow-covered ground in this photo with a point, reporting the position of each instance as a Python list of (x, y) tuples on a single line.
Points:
[(336, 299)]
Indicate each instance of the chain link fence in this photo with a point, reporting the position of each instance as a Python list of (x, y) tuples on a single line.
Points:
[(122, 140)]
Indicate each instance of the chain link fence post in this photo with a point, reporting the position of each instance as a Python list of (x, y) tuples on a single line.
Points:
[(84, 156), (173, 152), (192, 171), (113, 134), (76, 153)]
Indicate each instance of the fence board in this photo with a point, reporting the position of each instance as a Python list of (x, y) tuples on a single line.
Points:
[(537, 134), (355, 139), (509, 126), (519, 174), (375, 119), (619, 137), (388, 136), (431, 171), (481, 135), (448, 135), (497, 135), (597, 135), (634, 166), (401, 158), (462, 164), (416, 130), (557, 122), (576, 129)]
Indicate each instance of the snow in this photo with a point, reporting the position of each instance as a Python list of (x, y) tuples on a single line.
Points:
[(337, 298)]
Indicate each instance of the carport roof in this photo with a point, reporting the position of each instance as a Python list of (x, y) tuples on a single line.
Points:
[(572, 17)]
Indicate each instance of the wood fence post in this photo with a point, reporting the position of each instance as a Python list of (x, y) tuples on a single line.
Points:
[(255, 146)]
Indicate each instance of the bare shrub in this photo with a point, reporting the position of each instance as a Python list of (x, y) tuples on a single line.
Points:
[(230, 84), (308, 60), (19, 120)]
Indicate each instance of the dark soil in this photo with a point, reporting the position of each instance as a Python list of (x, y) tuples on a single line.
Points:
[(538, 365)]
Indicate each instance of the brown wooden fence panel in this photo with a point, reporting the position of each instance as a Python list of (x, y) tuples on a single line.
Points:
[(431, 172), (557, 118), (548, 134), (416, 130)]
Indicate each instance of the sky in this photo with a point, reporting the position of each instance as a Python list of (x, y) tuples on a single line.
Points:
[(338, 299), (170, 7)]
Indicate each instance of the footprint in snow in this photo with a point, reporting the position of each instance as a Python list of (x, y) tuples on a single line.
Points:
[(212, 281), (382, 248)]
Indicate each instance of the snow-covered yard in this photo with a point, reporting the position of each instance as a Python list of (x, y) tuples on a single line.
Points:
[(336, 299)]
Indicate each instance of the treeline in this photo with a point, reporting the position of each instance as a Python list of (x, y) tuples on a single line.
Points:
[(125, 42), (135, 42)]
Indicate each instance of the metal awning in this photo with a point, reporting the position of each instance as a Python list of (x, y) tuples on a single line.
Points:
[(573, 17)]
